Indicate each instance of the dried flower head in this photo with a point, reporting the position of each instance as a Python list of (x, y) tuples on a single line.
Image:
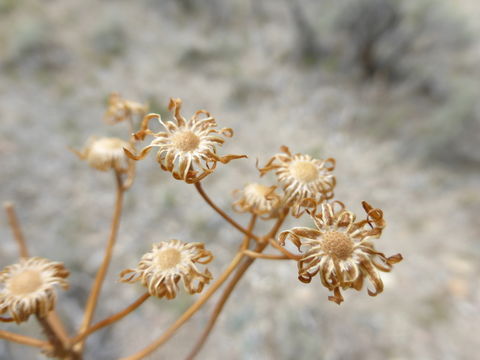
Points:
[(187, 149), (257, 199), (341, 250), (303, 178), (120, 109), (166, 264), (27, 287), (106, 153)]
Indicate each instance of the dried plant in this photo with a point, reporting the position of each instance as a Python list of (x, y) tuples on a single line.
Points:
[(166, 264), (28, 287), (339, 249)]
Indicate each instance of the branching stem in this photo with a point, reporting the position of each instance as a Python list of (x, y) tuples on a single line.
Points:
[(222, 213), (102, 271), (261, 245), (283, 250), (257, 255), (196, 306), (111, 319), (24, 340), (52, 320)]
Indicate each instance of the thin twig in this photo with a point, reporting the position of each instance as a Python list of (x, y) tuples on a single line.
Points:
[(231, 286), (283, 250), (52, 318), (57, 344), (187, 314), (57, 326), (236, 225), (22, 339), (102, 271), (111, 319), (246, 240), (193, 308), (258, 255), (16, 229)]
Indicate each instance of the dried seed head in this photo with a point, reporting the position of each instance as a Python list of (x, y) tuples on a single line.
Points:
[(28, 287), (303, 178), (341, 251), (24, 282), (120, 109), (258, 199), (187, 149), (168, 258), (337, 244), (304, 171), (166, 264), (185, 141), (106, 153), (257, 191)]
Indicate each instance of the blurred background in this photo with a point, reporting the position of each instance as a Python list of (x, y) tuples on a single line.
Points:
[(389, 88)]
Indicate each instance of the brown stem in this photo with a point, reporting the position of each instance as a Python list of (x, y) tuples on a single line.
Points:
[(24, 340), (231, 286), (111, 319), (232, 222), (194, 308), (258, 255), (16, 229), (284, 251), (57, 326), (246, 240), (102, 271), (59, 349), (52, 318)]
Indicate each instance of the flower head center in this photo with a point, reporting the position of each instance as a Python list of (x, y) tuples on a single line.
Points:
[(185, 140), (168, 258), (110, 144), (257, 190), (337, 244), (25, 282), (304, 171)]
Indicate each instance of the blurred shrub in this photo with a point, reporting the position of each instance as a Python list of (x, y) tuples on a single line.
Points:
[(31, 46), (306, 44), (7, 5), (369, 25), (109, 41)]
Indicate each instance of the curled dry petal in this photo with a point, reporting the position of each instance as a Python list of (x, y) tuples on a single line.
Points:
[(306, 181), (187, 148), (340, 249), (168, 263)]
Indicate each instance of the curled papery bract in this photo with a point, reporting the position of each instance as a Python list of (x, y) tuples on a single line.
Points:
[(120, 109), (168, 263), (341, 250), (106, 153), (304, 180), (187, 148), (27, 287), (258, 199)]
